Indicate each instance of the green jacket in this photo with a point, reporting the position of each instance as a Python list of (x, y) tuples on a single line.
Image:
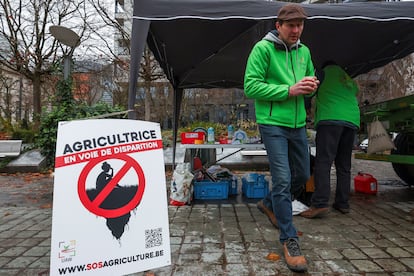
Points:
[(271, 69), (336, 98)]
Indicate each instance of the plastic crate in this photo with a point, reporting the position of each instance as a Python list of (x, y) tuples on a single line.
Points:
[(255, 186), (233, 185), (206, 189), (191, 137)]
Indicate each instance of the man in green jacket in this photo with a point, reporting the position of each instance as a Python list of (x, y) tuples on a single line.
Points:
[(337, 119), (279, 73)]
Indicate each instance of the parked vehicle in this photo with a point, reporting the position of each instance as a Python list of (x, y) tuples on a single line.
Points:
[(397, 116), (364, 145)]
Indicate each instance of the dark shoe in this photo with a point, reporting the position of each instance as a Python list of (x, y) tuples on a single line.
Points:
[(293, 256), (262, 208), (314, 212), (341, 210)]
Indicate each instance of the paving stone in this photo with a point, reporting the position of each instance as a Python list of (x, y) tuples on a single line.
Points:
[(409, 249), (190, 239), (26, 234), (43, 234), (341, 266), (10, 242), (320, 267), (212, 258), (362, 243), (408, 262), (176, 240), (259, 256), (14, 251), (268, 268), (398, 252), (375, 253), (191, 248), (233, 257), (391, 265), (20, 262), (188, 259), (213, 248), (366, 266), (237, 269), (353, 253), (212, 237), (37, 251), (382, 242), (402, 241), (328, 253), (4, 260), (9, 272), (45, 242)]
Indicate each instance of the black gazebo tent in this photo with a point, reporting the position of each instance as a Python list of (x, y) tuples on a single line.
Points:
[(205, 43)]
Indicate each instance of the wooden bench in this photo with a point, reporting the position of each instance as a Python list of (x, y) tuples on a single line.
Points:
[(10, 148)]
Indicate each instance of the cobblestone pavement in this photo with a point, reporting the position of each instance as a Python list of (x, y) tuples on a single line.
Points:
[(231, 237)]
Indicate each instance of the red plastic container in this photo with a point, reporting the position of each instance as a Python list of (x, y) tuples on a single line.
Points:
[(190, 137), (365, 183)]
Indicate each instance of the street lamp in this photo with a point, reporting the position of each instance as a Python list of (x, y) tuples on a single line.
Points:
[(69, 38)]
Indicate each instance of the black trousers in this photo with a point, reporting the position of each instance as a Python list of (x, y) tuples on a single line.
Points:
[(334, 144)]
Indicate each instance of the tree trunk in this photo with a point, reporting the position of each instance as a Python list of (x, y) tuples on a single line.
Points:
[(147, 102), (37, 108)]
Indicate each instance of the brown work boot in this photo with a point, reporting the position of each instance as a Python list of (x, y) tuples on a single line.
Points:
[(314, 212), (262, 208), (293, 256)]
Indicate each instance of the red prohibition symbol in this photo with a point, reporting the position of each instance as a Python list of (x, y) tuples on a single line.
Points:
[(94, 205)]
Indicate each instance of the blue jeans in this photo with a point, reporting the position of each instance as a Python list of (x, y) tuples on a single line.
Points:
[(288, 153)]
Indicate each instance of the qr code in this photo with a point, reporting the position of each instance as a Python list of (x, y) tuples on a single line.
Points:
[(153, 237)]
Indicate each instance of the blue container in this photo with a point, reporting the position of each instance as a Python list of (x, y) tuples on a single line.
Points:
[(255, 186), (232, 182), (207, 189)]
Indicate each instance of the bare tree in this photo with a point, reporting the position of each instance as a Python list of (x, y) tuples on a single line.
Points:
[(28, 47), (7, 107), (150, 71)]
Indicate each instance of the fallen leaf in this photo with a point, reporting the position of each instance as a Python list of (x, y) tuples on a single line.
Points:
[(273, 256), (46, 206)]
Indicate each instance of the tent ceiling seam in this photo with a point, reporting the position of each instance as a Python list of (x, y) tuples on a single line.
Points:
[(267, 17)]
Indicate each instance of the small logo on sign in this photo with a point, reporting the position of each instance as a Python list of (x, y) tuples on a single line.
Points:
[(67, 250)]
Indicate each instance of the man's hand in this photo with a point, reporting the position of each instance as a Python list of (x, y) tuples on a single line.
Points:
[(307, 85)]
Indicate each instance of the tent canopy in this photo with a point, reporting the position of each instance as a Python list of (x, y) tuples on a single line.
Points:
[(205, 43)]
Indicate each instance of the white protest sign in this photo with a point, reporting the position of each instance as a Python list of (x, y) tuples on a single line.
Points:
[(110, 213)]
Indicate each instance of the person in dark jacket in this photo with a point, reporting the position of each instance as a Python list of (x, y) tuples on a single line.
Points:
[(279, 73), (337, 119)]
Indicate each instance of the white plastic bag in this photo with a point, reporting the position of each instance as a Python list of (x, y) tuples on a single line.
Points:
[(181, 189), (378, 138)]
